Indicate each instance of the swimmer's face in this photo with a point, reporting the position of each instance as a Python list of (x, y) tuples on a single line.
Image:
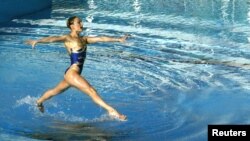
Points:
[(77, 25)]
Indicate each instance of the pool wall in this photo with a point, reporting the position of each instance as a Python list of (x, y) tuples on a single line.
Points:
[(10, 9)]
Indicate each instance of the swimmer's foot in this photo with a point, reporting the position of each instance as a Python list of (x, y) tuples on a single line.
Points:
[(40, 107), (116, 115)]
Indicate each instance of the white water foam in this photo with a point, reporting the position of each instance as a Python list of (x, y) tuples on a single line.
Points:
[(31, 102)]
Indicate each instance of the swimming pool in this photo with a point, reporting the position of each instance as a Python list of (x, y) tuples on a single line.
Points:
[(185, 66)]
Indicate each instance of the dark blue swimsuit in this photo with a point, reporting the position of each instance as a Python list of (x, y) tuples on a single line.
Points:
[(78, 58)]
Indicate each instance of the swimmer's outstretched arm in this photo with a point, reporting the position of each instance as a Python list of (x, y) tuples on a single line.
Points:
[(91, 40), (46, 40)]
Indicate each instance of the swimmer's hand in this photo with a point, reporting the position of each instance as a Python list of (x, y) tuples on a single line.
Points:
[(31, 42), (123, 39)]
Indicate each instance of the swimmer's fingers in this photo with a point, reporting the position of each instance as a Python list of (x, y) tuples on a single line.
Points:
[(128, 35), (124, 38), (31, 42), (28, 42)]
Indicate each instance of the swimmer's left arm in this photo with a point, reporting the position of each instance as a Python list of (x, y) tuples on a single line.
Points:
[(91, 40)]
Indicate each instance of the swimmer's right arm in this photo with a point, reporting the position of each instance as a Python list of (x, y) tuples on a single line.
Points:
[(46, 40)]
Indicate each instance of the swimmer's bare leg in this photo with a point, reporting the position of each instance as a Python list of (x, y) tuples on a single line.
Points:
[(61, 87), (74, 79)]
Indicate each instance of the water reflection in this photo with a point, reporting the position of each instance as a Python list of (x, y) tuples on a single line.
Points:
[(137, 6), (178, 44), (90, 18), (248, 13), (61, 131), (92, 4), (248, 19)]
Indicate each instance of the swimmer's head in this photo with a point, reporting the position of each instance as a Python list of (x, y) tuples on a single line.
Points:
[(73, 21), (70, 21)]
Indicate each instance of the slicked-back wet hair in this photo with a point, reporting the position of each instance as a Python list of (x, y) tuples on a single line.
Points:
[(70, 21)]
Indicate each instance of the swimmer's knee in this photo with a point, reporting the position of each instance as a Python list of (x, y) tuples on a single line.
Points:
[(93, 90), (90, 91)]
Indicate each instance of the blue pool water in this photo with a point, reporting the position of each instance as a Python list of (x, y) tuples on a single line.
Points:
[(186, 66)]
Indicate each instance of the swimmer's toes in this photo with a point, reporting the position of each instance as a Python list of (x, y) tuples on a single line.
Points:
[(118, 116), (123, 118)]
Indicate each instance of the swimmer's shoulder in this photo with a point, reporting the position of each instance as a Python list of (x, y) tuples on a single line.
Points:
[(84, 38), (66, 36)]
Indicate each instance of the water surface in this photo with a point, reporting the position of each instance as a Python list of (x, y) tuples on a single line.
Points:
[(185, 66)]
